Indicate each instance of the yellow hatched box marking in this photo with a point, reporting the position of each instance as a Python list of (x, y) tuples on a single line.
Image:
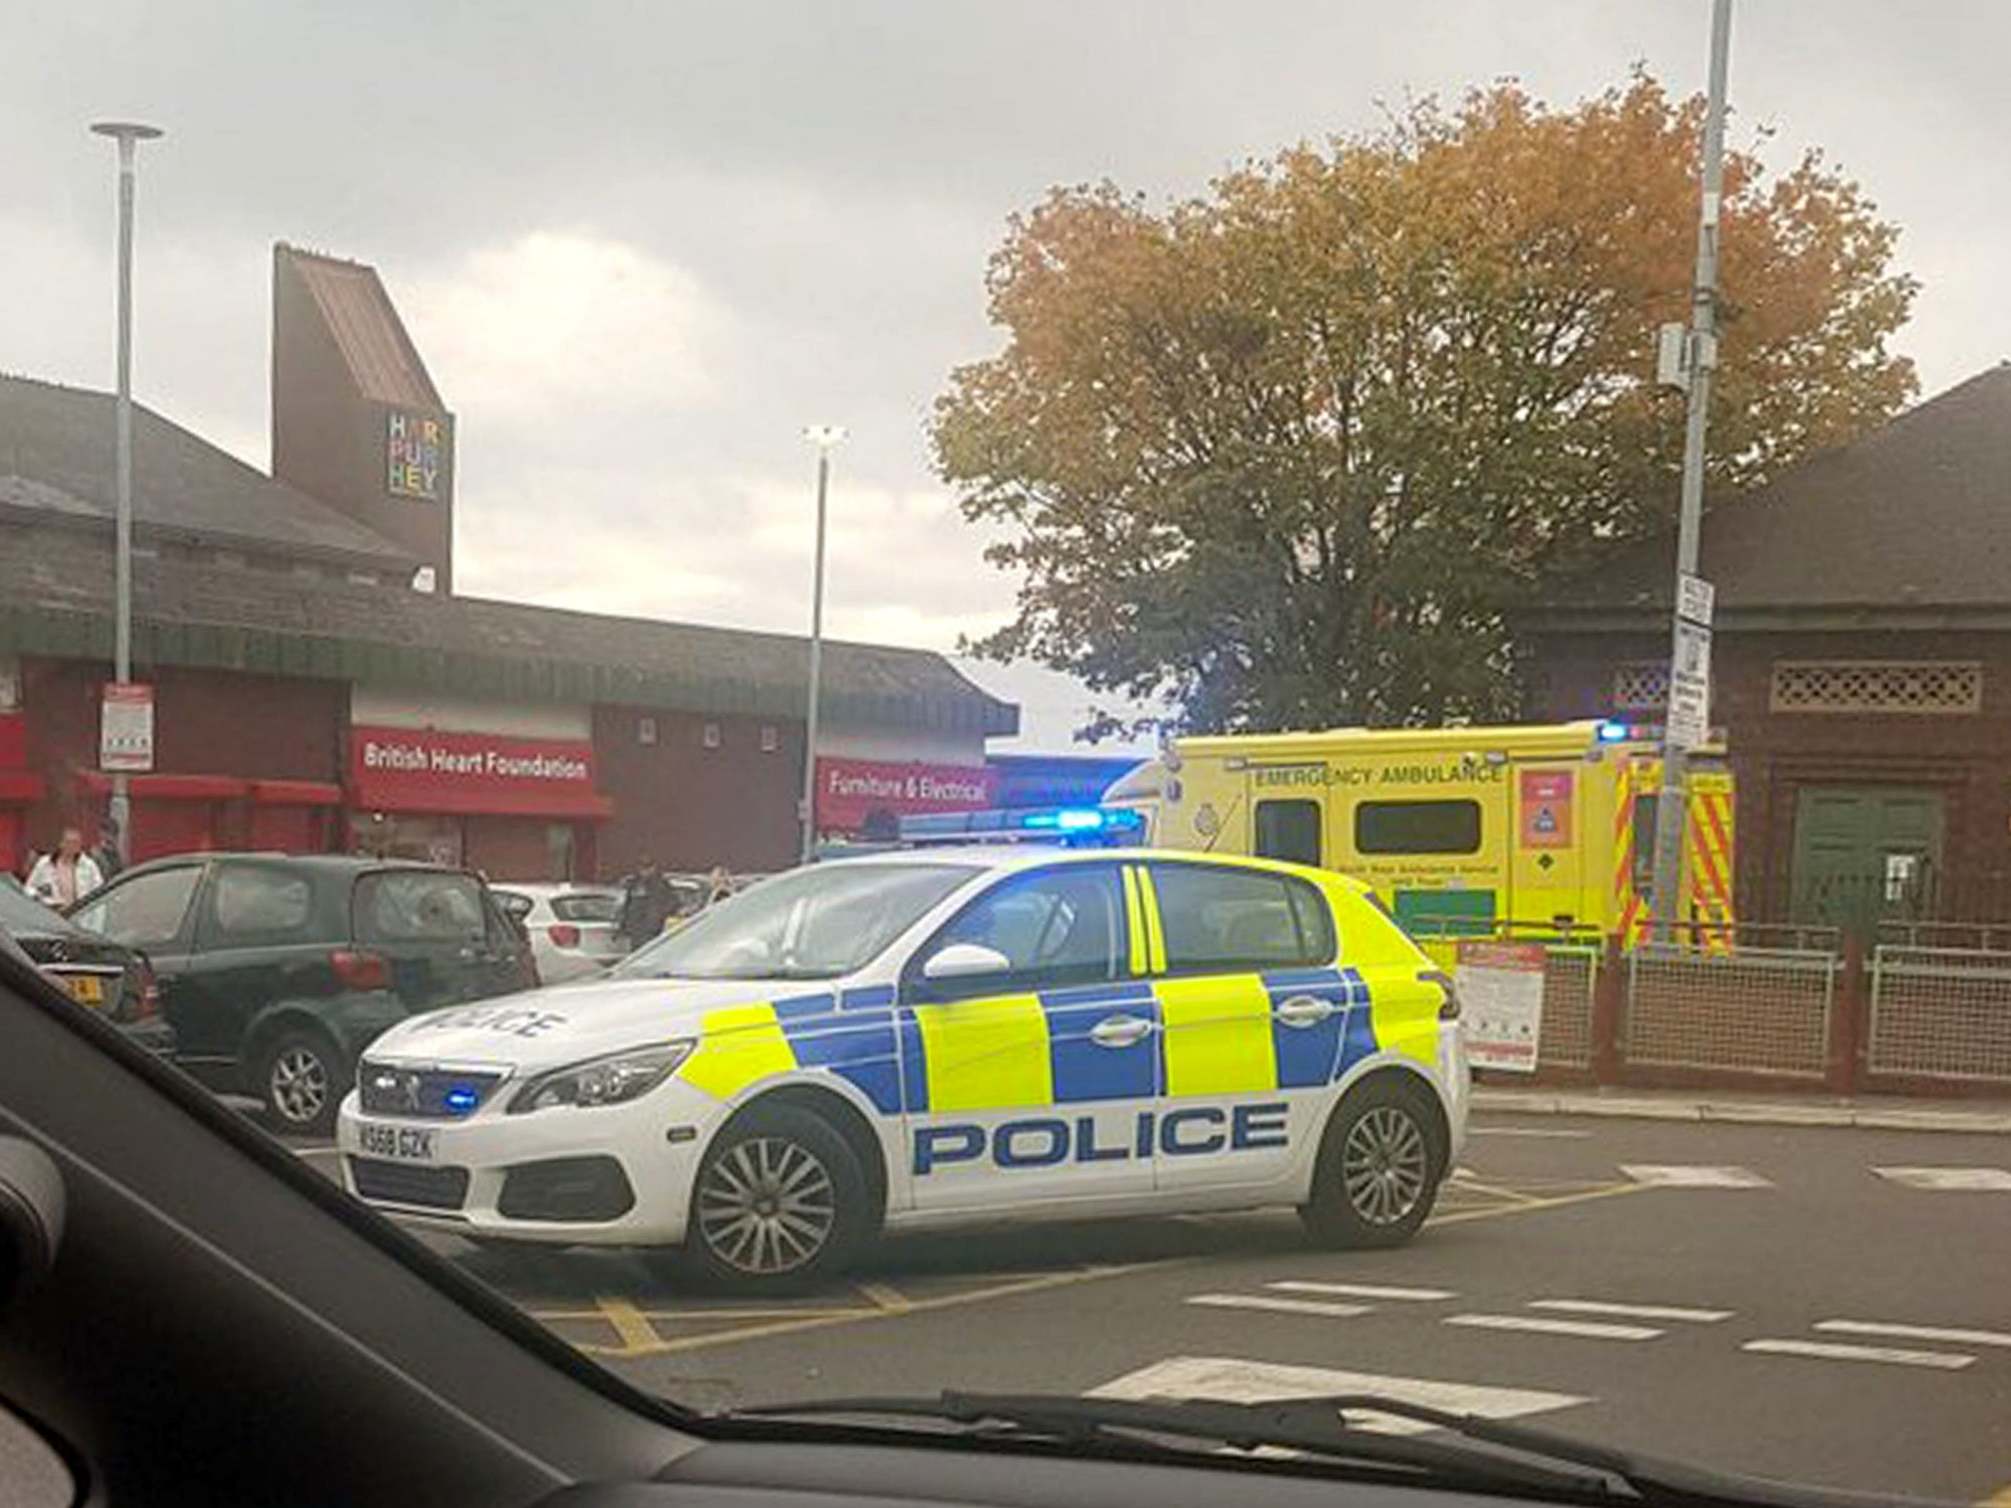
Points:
[(738, 1045), (986, 1054), (1217, 1035)]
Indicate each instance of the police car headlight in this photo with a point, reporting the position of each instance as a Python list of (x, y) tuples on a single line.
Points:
[(612, 1080)]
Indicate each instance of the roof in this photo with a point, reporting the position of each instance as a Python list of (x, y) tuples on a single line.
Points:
[(360, 315), (1913, 517), (58, 462), (56, 599), (1523, 738)]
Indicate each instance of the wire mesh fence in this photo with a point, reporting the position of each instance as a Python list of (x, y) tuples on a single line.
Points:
[(1753, 1010), (1939, 1012)]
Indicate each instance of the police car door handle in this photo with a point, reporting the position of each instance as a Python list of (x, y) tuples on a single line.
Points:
[(1119, 1031), (1303, 1010)]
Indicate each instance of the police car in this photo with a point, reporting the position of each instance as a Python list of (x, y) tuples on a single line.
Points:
[(931, 1037)]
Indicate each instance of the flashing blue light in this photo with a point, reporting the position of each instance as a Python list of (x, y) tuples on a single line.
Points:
[(461, 1099), (1612, 733), (1079, 821)]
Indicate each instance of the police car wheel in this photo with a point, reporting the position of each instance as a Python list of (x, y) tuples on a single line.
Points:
[(1379, 1168), (778, 1203)]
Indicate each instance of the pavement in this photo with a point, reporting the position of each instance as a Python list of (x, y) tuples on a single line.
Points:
[(1808, 1302), (1874, 1112)]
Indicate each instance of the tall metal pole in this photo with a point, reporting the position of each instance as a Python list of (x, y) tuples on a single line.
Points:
[(127, 134), (1672, 809), (824, 437)]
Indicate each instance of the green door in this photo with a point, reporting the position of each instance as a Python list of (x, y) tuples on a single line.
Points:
[(1863, 853)]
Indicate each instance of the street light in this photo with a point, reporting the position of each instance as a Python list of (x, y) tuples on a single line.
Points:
[(827, 438), (128, 134)]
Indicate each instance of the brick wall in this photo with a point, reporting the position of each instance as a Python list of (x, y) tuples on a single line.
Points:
[(689, 806)]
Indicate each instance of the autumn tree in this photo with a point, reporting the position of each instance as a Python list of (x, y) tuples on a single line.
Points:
[(1287, 454)]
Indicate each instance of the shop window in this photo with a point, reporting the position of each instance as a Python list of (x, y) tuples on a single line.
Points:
[(1414, 827), (1289, 830), (713, 736), (771, 738)]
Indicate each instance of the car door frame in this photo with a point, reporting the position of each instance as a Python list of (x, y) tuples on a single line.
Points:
[(1233, 1134), (1065, 1144), (171, 962)]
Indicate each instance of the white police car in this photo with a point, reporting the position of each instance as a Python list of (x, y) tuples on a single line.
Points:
[(931, 1037)]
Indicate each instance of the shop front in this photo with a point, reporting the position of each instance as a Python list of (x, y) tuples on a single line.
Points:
[(20, 788), (513, 807), (866, 798)]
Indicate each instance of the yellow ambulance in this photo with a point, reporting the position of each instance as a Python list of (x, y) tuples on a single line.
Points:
[(1539, 829)]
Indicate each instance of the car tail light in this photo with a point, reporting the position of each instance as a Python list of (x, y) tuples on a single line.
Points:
[(147, 999), (1448, 1007), (357, 969), (563, 935)]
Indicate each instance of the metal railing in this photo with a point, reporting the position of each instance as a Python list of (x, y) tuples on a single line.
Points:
[(1940, 1012), (1752, 1010), (1570, 976)]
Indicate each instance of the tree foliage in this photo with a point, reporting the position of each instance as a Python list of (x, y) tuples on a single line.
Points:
[(1286, 454)]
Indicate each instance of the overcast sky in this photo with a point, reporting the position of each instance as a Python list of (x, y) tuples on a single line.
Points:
[(640, 245)]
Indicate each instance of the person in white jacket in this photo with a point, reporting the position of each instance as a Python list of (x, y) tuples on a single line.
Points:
[(67, 875)]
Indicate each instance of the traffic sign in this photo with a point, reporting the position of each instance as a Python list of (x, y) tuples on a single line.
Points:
[(1694, 599), (1690, 686), (126, 727)]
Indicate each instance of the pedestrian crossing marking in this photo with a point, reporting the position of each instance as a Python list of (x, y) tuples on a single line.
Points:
[(1535, 1324), (1950, 1180), (1633, 1311), (1281, 1306), (1229, 1380), (1365, 1291), (1693, 1176), (1916, 1332), (1947, 1361)]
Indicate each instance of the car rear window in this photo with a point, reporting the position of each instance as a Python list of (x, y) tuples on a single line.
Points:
[(586, 908), (405, 906)]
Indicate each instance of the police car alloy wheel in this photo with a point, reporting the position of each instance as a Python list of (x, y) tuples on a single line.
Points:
[(1379, 1168), (779, 1202)]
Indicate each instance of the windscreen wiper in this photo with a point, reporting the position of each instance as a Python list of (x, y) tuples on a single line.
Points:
[(1485, 1453)]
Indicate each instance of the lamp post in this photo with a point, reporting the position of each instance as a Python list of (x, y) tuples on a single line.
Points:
[(826, 437), (128, 134)]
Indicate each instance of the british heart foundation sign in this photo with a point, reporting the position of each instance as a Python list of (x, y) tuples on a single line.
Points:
[(1546, 808)]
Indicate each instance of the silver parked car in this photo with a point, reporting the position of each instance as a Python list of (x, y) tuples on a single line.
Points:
[(572, 927)]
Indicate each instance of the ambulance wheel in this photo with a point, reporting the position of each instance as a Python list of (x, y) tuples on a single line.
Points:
[(779, 1203), (1379, 1167)]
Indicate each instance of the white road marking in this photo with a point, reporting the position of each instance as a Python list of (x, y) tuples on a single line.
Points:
[(1587, 1329), (1633, 1311), (1916, 1332), (1281, 1306), (1543, 1131), (1364, 1290), (1684, 1176), (1946, 1360), (1951, 1180), (1232, 1381)]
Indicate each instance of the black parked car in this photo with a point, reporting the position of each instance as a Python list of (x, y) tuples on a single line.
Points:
[(98, 973), (276, 970)]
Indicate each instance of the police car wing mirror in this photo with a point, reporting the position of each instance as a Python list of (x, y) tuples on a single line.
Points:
[(964, 961)]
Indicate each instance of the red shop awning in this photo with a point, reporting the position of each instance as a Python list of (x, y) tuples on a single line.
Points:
[(296, 793), (20, 787), (168, 787)]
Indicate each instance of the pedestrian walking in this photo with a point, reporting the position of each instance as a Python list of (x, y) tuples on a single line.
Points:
[(646, 903), (107, 852), (66, 876)]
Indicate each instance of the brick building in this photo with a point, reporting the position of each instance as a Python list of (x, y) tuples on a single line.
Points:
[(1861, 671), (318, 685)]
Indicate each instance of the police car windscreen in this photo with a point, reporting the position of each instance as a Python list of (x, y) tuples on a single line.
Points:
[(816, 923)]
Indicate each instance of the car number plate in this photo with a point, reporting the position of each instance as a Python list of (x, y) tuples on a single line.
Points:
[(86, 989), (405, 1143)]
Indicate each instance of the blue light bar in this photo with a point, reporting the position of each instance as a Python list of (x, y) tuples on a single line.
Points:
[(1613, 733)]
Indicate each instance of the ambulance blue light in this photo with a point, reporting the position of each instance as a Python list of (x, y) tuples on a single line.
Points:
[(1612, 733), (461, 1099)]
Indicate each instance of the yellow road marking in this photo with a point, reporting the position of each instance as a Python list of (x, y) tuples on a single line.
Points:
[(886, 1296), (2001, 1498), (628, 1324), (1495, 1191), (645, 1341)]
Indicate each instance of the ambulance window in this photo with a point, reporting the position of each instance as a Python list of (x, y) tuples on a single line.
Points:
[(1409, 827), (1289, 830), (1217, 919)]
